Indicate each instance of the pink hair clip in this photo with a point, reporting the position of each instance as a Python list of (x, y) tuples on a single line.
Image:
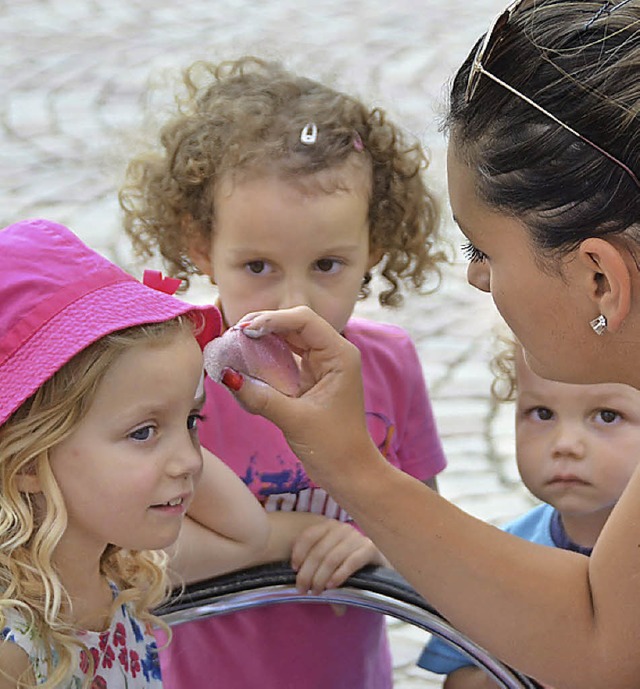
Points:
[(154, 279), (357, 142)]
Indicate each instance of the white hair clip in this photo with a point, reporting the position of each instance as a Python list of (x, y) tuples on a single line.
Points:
[(309, 134)]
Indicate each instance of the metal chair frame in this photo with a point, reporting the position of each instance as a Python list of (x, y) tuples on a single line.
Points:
[(377, 589)]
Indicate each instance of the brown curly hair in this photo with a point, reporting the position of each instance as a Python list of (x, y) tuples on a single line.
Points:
[(246, 116)]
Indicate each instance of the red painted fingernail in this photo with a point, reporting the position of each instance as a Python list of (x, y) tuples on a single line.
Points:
[(232, 379)]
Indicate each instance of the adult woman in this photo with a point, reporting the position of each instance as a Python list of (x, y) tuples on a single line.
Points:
[(544, 159)]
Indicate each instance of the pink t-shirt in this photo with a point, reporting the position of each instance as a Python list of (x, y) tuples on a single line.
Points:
[(307, 645)]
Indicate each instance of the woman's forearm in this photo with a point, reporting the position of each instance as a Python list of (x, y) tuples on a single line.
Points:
[(539, 609), (564, 619), (469, 677)]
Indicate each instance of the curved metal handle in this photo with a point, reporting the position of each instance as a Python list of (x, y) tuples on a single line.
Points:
[(377, 589)]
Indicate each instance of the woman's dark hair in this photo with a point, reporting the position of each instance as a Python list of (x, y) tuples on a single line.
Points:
[(580, 61)]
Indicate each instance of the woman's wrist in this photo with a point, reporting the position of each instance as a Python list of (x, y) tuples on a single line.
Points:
[(359, 481)]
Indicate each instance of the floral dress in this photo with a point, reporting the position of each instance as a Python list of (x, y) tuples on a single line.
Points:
[(125, 656)]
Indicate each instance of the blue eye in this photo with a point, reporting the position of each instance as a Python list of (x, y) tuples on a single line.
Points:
[(472, 254), (142, 434)]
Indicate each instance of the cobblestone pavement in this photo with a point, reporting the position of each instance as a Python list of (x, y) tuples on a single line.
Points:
[(73, 79)]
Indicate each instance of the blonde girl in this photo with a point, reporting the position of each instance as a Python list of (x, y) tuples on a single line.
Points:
[(99, 460)]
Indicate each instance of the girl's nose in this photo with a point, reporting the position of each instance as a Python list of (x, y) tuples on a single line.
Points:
[(293, 293), (186, 459), (479, 275)]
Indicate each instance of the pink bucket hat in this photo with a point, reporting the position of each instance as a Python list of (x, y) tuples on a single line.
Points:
[(58, 296)]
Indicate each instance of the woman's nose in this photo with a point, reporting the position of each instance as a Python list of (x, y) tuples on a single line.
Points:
[(479, 275)]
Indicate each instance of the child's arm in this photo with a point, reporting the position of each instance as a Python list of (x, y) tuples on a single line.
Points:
[(285, 528), (226, 528), (324, 552)]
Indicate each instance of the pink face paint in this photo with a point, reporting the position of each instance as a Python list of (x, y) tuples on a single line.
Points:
[(266, 358)]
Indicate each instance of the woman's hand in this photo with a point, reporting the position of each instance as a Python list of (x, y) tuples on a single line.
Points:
[(325, 425)]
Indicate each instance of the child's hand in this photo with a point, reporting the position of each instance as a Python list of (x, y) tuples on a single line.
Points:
[(326, 554)]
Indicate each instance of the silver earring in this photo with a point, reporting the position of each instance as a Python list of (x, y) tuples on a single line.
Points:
[(599, 324)]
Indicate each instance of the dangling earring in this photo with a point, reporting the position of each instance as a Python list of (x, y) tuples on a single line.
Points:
[(599, 324)]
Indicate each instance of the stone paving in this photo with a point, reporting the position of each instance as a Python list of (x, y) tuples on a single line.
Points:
[(75, 77)]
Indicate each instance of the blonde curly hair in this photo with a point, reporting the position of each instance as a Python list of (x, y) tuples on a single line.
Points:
[(246, 116), (31, 525), (503, 366)]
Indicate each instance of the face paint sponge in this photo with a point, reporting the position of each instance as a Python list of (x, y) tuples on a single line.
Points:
[(267, 358)]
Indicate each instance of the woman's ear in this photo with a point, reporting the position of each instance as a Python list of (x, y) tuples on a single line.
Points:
[(608, 278)]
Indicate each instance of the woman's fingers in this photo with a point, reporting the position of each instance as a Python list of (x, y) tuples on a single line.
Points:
[(326, 421), (300, 326)]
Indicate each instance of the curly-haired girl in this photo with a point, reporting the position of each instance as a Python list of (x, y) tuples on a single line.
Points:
[(286, 192)]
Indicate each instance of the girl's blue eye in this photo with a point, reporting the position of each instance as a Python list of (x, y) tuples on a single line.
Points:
[(142, 434), (472, 254)]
